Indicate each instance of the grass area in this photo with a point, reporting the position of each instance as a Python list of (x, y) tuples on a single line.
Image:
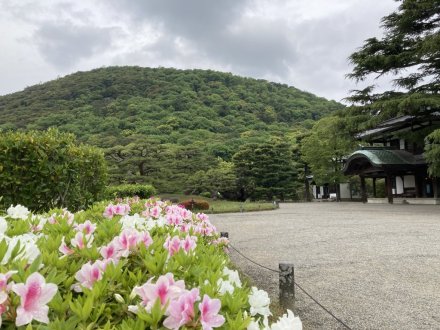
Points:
[(222, 206)]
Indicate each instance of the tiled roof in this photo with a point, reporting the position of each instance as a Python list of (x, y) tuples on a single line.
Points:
[(379, 157)]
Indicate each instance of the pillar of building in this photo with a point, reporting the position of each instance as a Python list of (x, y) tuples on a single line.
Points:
[(363, 190), (374, 188), (389, 184), (436, 188)]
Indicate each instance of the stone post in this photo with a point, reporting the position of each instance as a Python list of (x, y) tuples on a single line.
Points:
[(287, 285)]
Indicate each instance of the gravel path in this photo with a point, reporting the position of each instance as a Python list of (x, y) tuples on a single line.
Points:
[(374, 266)]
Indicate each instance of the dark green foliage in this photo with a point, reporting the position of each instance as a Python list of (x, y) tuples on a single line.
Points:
[(160, 126), (266, 170), (43, 170), (411, 41), (432, 152), (130, 190), (324, 149), (409, 52), (215, 182)]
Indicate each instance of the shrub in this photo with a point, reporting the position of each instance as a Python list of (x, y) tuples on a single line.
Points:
[(195, 204), (129, 190), (205, 194), (47, 169), (161, 268)]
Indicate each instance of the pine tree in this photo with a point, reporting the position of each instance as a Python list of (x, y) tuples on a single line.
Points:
[(410, 52)]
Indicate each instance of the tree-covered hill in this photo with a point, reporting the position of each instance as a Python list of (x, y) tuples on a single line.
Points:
[(162, 125)]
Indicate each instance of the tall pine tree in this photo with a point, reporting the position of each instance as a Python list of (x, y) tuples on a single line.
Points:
[(410, 52)]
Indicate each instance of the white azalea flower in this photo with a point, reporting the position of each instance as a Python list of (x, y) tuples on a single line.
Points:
[(132, 221), (161, 222), (253, 326), (224, 286), (133, 308), (3, 226), (259, 301), (18, 212), (288, 322), (234, 278), (27, 242)]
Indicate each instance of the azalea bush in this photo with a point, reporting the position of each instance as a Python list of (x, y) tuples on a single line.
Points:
[(128, 265)]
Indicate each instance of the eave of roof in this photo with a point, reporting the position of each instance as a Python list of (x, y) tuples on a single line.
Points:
[(382, 158)]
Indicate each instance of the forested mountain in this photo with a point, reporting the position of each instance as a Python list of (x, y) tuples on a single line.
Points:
[(163, 125)]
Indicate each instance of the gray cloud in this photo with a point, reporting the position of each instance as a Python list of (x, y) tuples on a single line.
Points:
[(64, 45), (304, 43), (218, 30)]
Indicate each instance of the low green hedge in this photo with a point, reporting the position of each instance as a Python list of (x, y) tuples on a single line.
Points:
[(129, 190)]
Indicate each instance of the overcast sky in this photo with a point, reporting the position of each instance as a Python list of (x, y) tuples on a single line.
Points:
[(303, 43)]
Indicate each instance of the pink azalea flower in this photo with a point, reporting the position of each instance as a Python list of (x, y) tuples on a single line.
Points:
[(146, 213), (34, 295), (181, 311), (69, 216), (4, 278), (80, 240), (209, 316), (165, 289), (185, 214), (145, 238), (89, 274), (173, 245), (110, 251), (185, 227), (86, 227), (64, 249), (205, 228), (4, 288), (52, 219), (121, 209), (155, 212), (174, 219), (202, 216), (108, 212), (126, 241), (189, 243)]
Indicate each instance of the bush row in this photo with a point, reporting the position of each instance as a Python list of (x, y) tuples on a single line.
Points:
[(129, 190)]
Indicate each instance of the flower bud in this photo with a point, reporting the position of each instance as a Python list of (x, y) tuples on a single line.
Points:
[(119, 298), (133, 294)]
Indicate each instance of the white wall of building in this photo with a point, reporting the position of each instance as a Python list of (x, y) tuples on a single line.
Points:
[(399, 185), (410, 181), (402, 144), (345, 190)]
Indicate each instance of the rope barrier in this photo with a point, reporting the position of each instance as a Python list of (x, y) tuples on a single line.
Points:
[(254, 262), (299, 287)]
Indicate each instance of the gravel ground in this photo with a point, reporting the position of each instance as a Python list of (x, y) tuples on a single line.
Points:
[(375, 266)]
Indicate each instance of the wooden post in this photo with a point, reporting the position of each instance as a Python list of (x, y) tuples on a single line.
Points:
[(287, 284), (389, 184), (363, 190), (374, 188)]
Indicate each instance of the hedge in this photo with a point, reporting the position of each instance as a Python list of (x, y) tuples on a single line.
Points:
[(129, 190), (47, 169)]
